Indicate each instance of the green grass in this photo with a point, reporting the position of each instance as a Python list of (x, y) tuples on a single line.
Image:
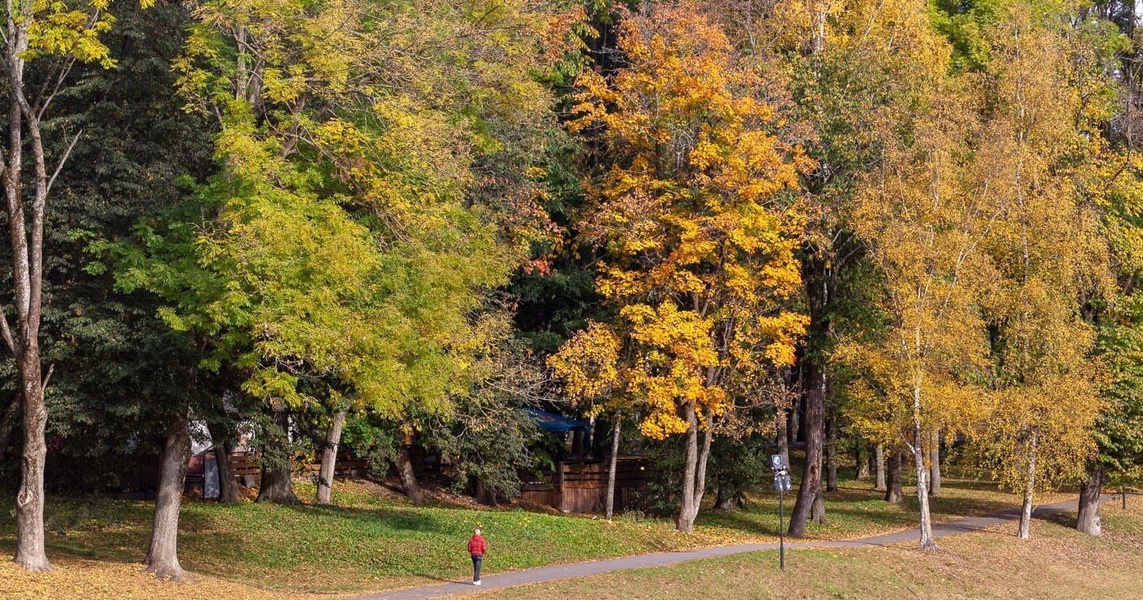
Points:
[(366, 542), (1057, 563)]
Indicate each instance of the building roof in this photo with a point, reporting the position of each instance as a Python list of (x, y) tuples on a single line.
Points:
[(556, 423)]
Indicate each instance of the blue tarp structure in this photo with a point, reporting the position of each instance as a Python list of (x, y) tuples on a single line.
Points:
[(556, 423)]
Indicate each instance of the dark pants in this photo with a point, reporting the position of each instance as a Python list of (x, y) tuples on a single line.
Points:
[(476, 560)]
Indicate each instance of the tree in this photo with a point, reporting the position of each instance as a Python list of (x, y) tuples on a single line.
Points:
[(373, 187), (849, 62), (924, 214), (597, 369), (1049, 256), (53, 37), (1105, 63), (696, 214)]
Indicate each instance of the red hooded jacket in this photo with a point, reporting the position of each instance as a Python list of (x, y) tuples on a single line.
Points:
[(476, 545)]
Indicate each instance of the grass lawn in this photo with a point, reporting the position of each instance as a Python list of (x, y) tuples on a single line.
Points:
[(369, 543), (1058, 562)]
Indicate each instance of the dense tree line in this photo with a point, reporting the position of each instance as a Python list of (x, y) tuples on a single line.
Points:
[(736, 225)]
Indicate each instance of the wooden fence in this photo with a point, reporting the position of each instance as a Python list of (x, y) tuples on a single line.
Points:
[(581, 486), (247, 468)]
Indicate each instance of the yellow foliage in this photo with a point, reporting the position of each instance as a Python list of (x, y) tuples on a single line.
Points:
[(698, 215)]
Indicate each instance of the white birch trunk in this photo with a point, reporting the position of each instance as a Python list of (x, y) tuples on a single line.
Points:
[(1029, 487)]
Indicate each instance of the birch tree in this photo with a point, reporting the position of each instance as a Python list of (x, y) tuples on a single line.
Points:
[(924, 213), (1050, 256)]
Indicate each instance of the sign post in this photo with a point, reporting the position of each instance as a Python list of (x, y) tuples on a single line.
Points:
[(783, 484)]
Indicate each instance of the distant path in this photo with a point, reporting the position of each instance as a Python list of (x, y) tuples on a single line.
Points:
[(554, 572)]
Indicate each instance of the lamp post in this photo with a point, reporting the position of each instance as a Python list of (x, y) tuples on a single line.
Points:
[(783, 484)]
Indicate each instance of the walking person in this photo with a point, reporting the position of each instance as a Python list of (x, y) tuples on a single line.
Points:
[(476, 547)]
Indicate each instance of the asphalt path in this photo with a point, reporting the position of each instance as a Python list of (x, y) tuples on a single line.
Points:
[(570, 571)]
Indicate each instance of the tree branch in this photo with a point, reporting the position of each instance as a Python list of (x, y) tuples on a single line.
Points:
[(7, 333), (63, 160)]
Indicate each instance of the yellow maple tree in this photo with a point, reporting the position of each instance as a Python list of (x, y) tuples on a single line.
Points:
[(697, 216)]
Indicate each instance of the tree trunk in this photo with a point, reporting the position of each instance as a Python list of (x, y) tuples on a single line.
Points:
[(227, 486), (723, 501), (223, 448), (813, 425), (894, 492), (30, 552), (879, 468), (1029, 487), (329, 458), (918, 451), (162, 557), (694, 471), (793, 423), (409, 477), (817, 511), (485, 495), (831, 456), (612, 463), (26, 240), (781, 439), (935, 463), (277, 486), (1088, 521), (861, 458)]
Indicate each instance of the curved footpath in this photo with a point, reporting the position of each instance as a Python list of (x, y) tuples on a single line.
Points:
[(554, 572)]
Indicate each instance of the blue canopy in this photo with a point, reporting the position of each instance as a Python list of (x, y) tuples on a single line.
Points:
[(556, 423)]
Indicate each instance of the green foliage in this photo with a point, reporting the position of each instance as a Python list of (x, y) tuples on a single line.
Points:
[(119, 370), (1120, 430), (738, 466), (964, 24), (372, 439)]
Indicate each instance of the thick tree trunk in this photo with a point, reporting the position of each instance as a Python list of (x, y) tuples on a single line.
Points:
[(30, 552), (831, 456), (227, 486), (162, 557), (861, 459), (894, 492), (612, 463), (694, 471), (935, 463), (277, 486), (329, 458), (1087, 520), (409, 477), (1029, 487), (879, 468), (814, 425)]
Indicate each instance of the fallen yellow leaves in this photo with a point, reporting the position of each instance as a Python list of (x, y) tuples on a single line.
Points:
[(90, 579)]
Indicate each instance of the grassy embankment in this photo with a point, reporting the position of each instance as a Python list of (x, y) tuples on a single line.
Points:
[(369, 543)]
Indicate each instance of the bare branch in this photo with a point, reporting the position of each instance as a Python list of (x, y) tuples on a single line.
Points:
[(7, 333), (48, 377), (63, 160)]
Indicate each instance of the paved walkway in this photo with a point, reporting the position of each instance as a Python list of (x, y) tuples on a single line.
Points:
[(541, 574)]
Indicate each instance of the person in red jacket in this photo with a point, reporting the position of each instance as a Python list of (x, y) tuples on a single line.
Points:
[(476, 547)]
